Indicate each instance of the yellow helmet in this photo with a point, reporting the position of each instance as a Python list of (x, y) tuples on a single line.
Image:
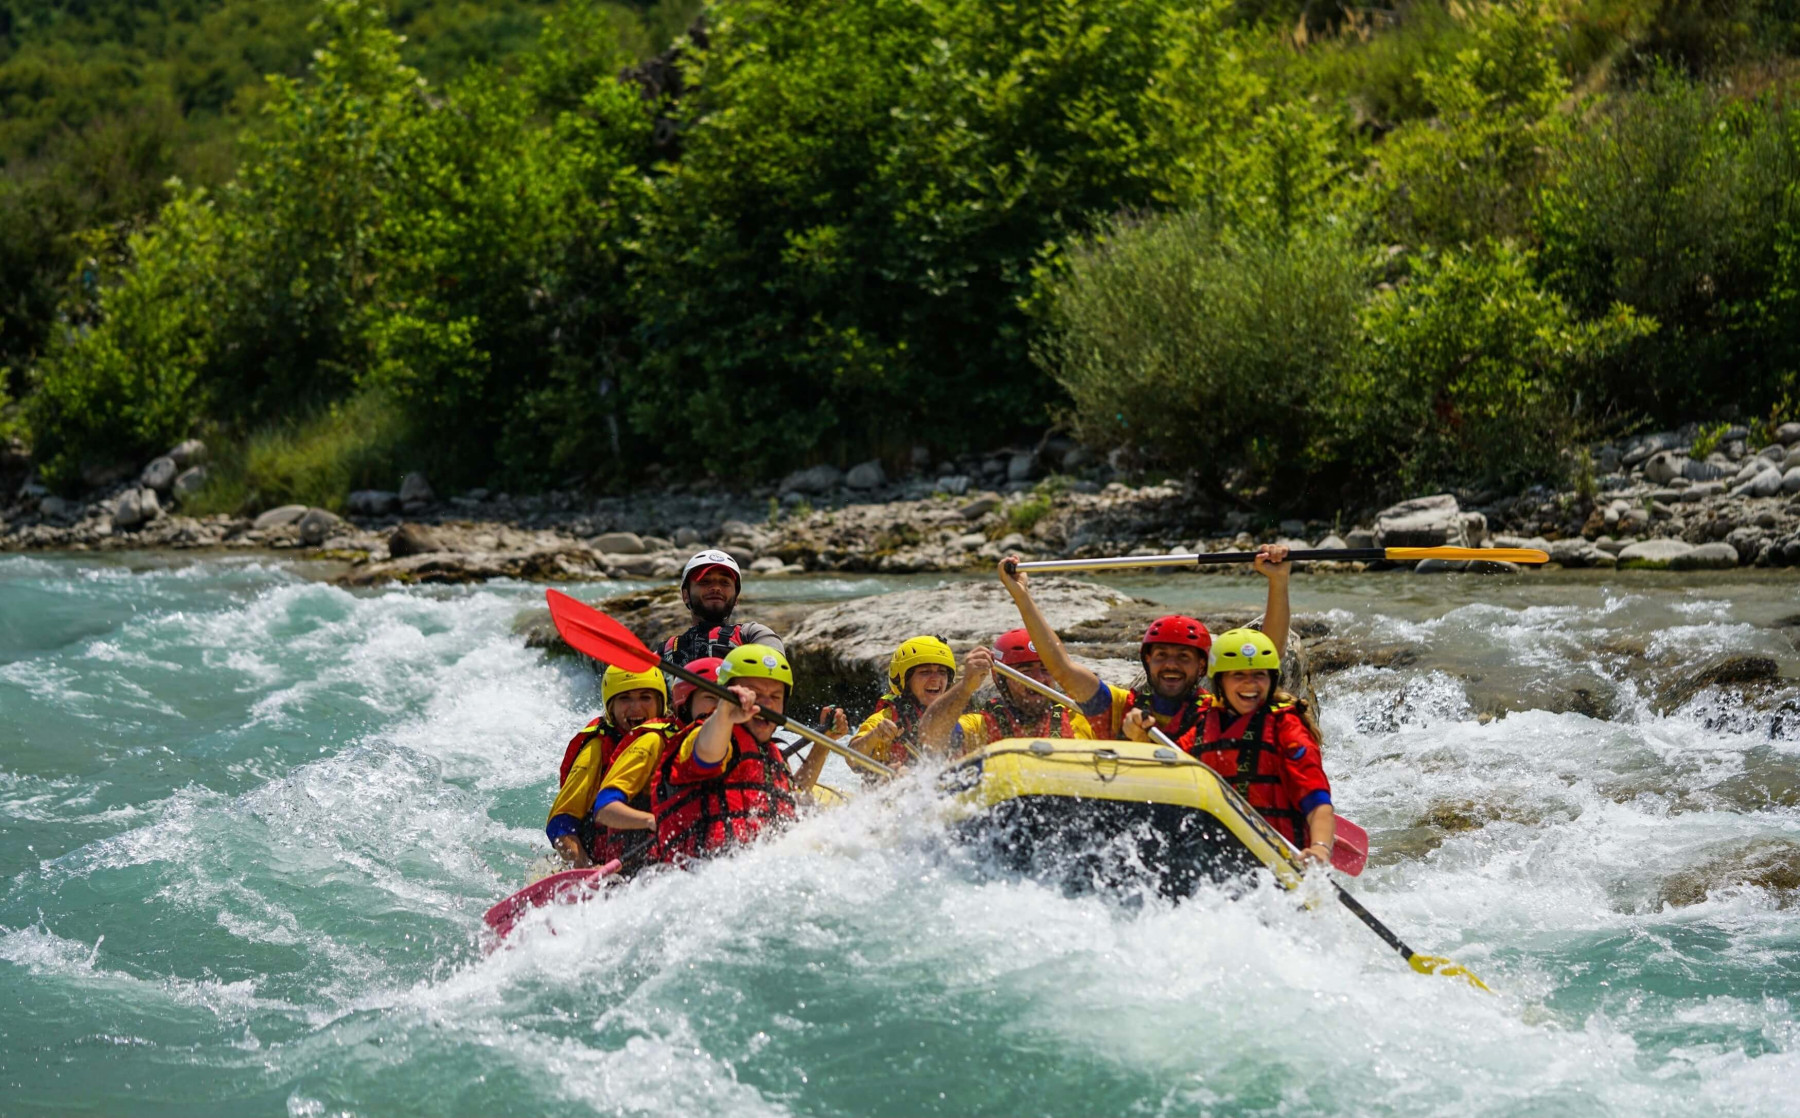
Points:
[(1243, 650), (617, 681), (755, 661), (916, 652)]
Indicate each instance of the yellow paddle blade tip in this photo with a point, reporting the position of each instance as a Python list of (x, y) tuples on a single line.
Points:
[(1438, 965), (1475, 554)]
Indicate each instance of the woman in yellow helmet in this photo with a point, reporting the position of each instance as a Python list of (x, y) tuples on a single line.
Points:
[(1263, 741), (631, 701), (919, 673)]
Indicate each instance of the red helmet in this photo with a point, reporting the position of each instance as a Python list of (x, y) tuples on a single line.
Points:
[(1176, 629), (706, 668), (1014, 648)]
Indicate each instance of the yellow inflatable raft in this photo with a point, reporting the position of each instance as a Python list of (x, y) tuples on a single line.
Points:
[(1103, 813)]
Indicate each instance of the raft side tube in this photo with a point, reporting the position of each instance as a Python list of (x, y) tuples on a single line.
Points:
[(1034, 801)]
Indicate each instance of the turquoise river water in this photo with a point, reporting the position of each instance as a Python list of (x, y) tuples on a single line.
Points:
[(249, 823)]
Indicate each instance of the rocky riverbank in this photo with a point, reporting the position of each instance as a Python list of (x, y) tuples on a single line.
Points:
[(1652, 501)]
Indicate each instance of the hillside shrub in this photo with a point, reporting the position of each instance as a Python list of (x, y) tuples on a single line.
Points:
[(1681, 202), (1471, 371), (1209, 347)]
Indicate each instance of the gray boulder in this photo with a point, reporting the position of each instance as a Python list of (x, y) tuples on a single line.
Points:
[(279, 517), (1663, 467), (619, 543), (1434, 521), (1332, 542), (414, 487), (1790, 459), (1647, 445), (1575, 553), (189, 482), (955, 484), (1788, 434), (189, 453), (1360, 538), (1654, 554), (1766, 483), (851, 643), (1790, 481), (159, 474), (979, 507), (373, 502), (819, 479), (1706, 557), (412, 539), (317, 526), (1022, 467), (686, 536), (1709, 470), (767, 565), (1440, 566), (1746, 541), (58, 508), (866, 475), (137, 507)]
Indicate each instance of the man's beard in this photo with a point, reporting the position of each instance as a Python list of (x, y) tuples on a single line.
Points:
[(708, 616)]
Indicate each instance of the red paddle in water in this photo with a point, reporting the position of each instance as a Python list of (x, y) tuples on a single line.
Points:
[(568, 885)]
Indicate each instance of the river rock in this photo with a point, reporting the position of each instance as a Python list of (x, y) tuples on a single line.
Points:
[(1706, 557), (979, 507), (819, 479), (137, 507), (1710, 469), (1790, 481), (279, 517), (189, 482), (1440, 566), (190, 452), (955, 484), (1645, 446), (1653, 554), (373, 502), (1766, 483), (1576, 553), (866, 475), (1022, 467), (619, 543), (1663, 467), (1359, 538), (1434, 521), (1788, 434), (767, 565), (317, 526), (1772, 865), (414, 488), (58, 508), (1732, 671), (159, 474), (851, 642), (412, 539)]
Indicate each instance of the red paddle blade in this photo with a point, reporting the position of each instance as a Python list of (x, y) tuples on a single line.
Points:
[(1351, 853), (565, 886), (592, 633)]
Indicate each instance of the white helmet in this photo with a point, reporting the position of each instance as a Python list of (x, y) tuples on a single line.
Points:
[(710, 558)]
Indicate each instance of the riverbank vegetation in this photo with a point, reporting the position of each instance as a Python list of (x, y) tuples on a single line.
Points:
[(1318, 253)]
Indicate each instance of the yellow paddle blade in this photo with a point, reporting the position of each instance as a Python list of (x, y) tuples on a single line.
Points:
[(1437, 964), (1492, 554)]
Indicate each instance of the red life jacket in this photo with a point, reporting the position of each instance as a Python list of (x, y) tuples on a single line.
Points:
[(907, 713), (706, 817), (1006, 721), (699, 643), (1251, 763), (598, 728), (605, 844), (1186, 717)]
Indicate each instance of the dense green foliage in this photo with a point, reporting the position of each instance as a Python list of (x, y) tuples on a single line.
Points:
[(1275, 243)]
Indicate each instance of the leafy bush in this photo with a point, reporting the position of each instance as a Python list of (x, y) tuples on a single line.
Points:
[(1680, 203), (1468, 172), (838, 260), (126, 379), (1206, 347), (1471, 373)]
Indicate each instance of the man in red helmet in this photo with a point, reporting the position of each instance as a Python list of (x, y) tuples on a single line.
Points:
[(1013, 712), (1173, 652)]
